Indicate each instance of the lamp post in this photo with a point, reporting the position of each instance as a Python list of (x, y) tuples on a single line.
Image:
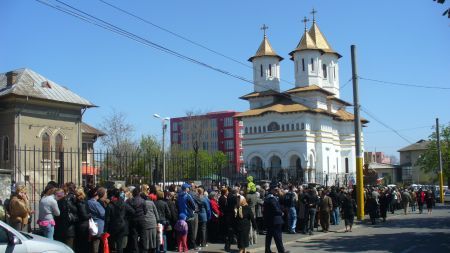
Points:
[(164, 128)]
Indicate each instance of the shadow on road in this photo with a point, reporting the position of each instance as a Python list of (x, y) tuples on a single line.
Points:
[(392, 242)]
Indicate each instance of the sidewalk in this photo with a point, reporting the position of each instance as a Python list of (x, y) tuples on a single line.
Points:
[(287, 239)]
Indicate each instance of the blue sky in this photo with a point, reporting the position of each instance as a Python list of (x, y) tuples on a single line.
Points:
[(398, 41)]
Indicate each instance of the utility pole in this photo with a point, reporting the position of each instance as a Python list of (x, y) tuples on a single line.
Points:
[(359, 159), (441, 176)]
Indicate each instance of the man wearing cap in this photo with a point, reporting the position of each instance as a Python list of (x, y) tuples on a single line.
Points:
[(187, 206), (273, 220)]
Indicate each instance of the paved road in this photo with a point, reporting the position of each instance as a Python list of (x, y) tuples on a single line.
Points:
[(411, 233)]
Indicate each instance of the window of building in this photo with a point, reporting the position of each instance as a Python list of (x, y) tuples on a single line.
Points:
[(228, 133), (297, 126), (213, 123), (84, 151), (270, 69), (5, 148), (205, 145), (175, 126), (246, 130), (259, 129), (303, 126), (45, 146), (175, 137), (261, 70), (58, 146), (303, 64), (324, 69), (254, 130), (250, 130), (312, 64), (228, 122), (282, 127), (229, 144), (287, 127), (264, 129), (273, 126)]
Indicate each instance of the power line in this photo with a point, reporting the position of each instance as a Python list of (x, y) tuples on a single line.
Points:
[(384, 124), (405, 84), (77, 13), (400, 130), (183, 37)]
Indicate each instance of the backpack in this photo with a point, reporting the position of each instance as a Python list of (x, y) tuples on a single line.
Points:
[(289, 199)]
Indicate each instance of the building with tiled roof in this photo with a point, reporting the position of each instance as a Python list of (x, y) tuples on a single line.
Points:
[(42, 135), (304, 134)]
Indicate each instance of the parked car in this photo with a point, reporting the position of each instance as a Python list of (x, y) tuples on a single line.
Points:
[(447, 196), (12, 241)]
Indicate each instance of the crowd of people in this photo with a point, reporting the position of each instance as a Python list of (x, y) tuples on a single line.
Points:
[(145, 218), (380, 200)]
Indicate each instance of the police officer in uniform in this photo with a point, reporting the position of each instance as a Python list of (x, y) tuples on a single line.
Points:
[(273, 219)]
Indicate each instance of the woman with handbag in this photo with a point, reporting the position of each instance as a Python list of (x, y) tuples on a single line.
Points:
[(82, 225), (65, 223)]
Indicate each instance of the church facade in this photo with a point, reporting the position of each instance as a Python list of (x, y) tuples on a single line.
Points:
[(303, 134)]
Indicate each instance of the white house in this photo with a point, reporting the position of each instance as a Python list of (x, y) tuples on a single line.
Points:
[(303, 134)]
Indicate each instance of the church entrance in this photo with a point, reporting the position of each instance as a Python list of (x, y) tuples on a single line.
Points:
[(275, 172), (256, 168), (296, 170)]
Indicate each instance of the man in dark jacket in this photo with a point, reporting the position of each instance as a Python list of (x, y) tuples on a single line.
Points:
[(231, 204), (273, 220)]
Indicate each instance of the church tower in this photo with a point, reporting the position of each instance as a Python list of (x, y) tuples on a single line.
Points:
[(315, 62), (266, 66)]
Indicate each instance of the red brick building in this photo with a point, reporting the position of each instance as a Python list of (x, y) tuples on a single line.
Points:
[(214, 131)]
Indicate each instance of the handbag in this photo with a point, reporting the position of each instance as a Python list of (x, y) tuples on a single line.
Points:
[(93, 228)]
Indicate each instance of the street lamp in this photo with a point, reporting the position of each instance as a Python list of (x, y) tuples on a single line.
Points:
[(164, 128)]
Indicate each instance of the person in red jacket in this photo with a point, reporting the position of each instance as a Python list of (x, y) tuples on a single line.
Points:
[(213, 225)]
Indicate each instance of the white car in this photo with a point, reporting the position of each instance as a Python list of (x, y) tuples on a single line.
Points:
[(12, 241)]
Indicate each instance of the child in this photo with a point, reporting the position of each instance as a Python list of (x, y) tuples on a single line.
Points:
[(182, 230)]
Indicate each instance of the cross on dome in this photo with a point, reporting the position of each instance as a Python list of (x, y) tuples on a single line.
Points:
[(264, 28), (313, 12), (305, 20)]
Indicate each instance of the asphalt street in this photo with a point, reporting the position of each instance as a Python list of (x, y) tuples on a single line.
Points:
[(401, 233)]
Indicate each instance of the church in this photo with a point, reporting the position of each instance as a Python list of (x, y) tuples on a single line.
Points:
[(304, 134)]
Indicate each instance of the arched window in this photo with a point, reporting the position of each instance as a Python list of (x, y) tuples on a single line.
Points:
[(292, 127), (346, 165), (312, 64), (261, 69), (264, 129), (287, 127), (282, 127), (5, 148), (259, 129), (324, 69), (303, 126), (58, 146), (303, 64), (273, 126), (45, 146), (270, 69), (250, 130), (254, 130), (246, 130), (297, 126)]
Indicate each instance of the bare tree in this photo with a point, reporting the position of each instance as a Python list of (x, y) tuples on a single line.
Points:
[(118, 138)]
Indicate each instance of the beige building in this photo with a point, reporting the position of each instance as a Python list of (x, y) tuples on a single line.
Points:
[(388, 172), (410, 172), (41, 131)]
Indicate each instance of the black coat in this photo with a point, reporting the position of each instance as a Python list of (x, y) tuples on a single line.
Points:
[(65, 223), (116, 218), (273, 215), (348, 208), (82, 225), (163, 211), (173, 212)]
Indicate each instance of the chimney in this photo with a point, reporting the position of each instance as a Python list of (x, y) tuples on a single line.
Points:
[(10, 78)]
